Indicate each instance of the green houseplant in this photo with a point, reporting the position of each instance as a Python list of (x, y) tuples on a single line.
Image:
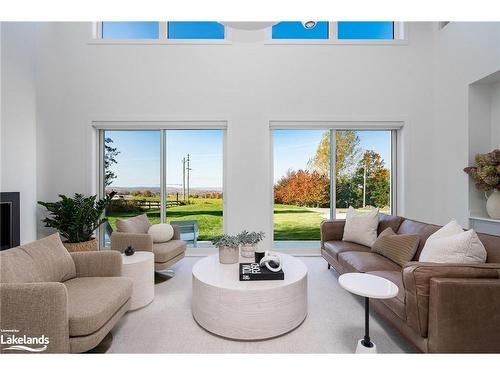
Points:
[(76, 219), (249, 241), (228, 248), (486, 175)]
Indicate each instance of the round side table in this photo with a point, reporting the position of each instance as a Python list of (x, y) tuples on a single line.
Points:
[(140, 268), (368, 286)]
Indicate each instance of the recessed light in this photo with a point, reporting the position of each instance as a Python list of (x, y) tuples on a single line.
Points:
[(309, 24)]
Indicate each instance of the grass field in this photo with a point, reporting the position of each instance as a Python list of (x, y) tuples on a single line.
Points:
[(207, 211), (296, 223), (290, 222)]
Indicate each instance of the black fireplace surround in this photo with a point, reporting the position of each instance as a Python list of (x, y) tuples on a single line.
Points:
[(9, 220)]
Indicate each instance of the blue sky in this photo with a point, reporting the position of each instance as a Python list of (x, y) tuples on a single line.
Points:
[(139, 158), (294, 148)]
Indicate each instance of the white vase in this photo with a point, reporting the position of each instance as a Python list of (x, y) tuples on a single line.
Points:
[(248, 250), (493, 204)]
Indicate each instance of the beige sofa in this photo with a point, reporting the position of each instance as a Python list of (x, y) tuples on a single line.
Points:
[(74, 299), (440, 308), (134, 232)]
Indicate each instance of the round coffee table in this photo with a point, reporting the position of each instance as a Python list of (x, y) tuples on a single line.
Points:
[(140, 268), (368, 286), (248, 310)]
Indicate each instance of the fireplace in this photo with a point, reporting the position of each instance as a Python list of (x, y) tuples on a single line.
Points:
[(9, 220)]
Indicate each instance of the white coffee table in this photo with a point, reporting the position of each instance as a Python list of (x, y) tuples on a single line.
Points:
[(248, 310), (368, 286), (140, 268)]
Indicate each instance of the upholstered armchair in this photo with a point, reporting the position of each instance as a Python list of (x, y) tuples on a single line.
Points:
[(70, 300), (134, 232)]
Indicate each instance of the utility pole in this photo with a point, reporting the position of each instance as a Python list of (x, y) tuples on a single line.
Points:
[(184, 179), (188, 173)]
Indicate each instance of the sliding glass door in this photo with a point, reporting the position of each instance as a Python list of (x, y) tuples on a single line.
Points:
[(301, 184), (363, 164), (184, 167), (194, 182), (305, 193), (132, 170)]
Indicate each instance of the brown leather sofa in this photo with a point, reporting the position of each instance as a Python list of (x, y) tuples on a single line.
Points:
[(440, 308)]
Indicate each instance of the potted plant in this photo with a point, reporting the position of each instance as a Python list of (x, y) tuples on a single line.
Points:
[(76, 219), (487, 177), (228, 248), (249, 241)]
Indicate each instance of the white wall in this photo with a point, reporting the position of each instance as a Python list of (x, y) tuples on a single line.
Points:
[(464, 53), (247, 83), (18, 120)]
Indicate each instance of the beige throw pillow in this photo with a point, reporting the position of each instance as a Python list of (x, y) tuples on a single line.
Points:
[(136, 224), (400, 248), (361, 227), (451, 244)]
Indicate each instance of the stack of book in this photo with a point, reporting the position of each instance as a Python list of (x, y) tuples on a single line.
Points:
[(254, 272)]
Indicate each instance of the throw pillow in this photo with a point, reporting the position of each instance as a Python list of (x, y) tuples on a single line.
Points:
[(136, 224), (450, 245), (448, 230), (361, 227), (400, 248), (161, 232)]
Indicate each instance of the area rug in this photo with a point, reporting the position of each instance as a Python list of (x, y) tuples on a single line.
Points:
[(334, 323)]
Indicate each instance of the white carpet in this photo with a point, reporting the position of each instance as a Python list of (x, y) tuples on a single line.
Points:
[(334, 323)]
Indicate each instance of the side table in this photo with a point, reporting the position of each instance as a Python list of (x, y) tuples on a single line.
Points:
[(140, 268), (368, 286)]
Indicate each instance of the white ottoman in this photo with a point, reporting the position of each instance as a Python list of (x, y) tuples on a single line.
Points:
[(140, 268)]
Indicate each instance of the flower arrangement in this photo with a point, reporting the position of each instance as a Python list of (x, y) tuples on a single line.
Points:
[(487, 172), (250, 238)]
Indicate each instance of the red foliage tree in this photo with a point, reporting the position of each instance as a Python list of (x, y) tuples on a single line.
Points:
[(303, 188)]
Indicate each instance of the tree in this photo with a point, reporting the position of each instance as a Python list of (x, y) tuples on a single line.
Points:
[(303, 188), (378, 185), (347, 153), (110, 154)]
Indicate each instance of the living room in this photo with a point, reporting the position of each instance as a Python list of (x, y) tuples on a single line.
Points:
[(147, 161)]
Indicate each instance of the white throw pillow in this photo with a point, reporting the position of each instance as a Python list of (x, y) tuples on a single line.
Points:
[(161, 232), (361, 227), (451, 244), (448, 230)]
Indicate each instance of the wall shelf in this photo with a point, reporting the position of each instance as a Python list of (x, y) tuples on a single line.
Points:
[(484, 136), (485, 224)]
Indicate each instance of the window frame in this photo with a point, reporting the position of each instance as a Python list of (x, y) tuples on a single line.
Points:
[(400, 38), (162, 39), (394, 126), (101, 127)]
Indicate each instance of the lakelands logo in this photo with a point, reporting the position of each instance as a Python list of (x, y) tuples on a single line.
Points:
[(22, 342)]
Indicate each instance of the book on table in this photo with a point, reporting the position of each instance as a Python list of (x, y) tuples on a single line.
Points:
[(254, 272)]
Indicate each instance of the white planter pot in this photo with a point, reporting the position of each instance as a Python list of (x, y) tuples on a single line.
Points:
[(228, 255), (248, 251), (493, 204)]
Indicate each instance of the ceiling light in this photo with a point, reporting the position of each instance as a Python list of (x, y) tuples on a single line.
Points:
[(309, 24)]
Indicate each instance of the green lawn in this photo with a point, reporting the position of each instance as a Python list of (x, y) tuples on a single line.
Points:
[(290, 222), (207, 211), (296, 223)]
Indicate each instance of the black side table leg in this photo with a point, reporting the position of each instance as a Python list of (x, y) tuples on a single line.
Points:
[(366, 340)]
